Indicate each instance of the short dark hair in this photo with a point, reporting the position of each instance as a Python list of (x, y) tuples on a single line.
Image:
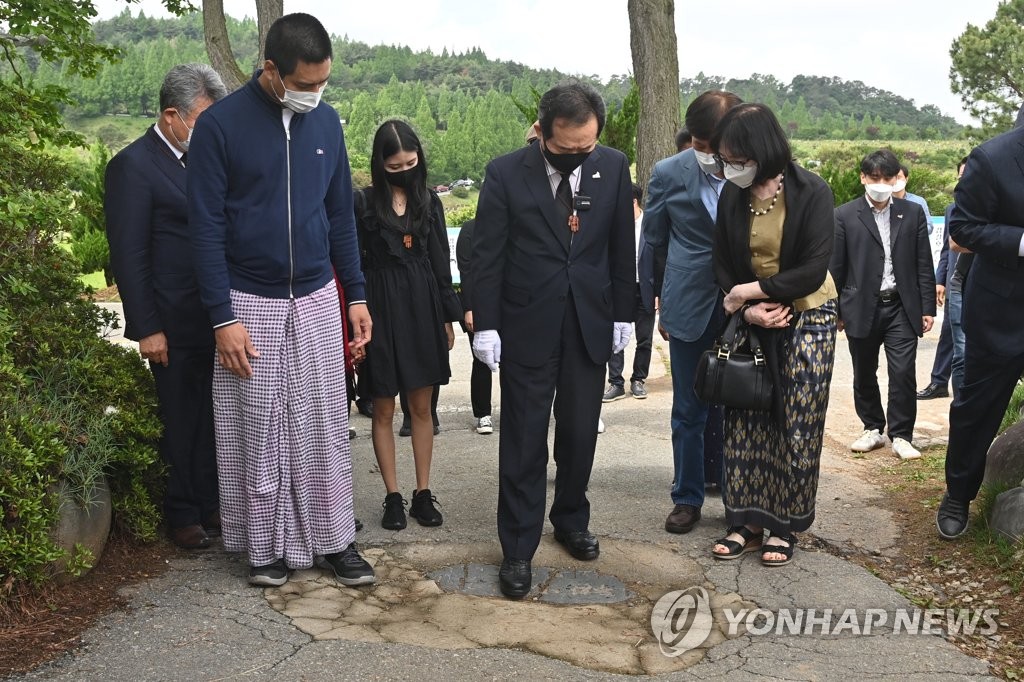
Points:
[(882, 162), (294, 38), (573, 101), (683, 138), (906, 170), (638, 194), (963, 162), (751, 131), (705, 112), (392, 137)]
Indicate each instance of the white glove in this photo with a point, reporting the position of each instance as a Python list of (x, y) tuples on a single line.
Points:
[(622, 332), (487, 348)]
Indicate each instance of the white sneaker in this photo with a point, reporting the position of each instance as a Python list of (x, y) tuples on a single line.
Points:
[(904, 449), (600, 425), (484, 426), (870, 440)]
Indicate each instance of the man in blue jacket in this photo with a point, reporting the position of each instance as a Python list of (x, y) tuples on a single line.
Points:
[(270, 209)]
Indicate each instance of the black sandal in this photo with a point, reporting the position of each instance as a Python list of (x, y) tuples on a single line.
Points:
[(752, 540), (785, 550)]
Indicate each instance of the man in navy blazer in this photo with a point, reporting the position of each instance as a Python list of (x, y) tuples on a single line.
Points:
[(882, 267), (554, 290), (147, 228), (988, 220), (679, 224), (643, 320)]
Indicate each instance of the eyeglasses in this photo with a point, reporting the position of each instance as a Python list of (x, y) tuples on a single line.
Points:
[(735, 165)]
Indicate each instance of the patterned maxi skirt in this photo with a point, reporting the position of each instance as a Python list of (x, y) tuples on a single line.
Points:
[(283, 455), (771, 471)]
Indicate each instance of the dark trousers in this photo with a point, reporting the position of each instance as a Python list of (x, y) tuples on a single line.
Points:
[(573, 382), (974, 417), (184, 390), (479, 386), (942, 366), (644, 331), (433, 406), (890, 329)]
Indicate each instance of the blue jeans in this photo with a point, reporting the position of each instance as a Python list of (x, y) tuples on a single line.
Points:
[(689, 417), (954, 311)]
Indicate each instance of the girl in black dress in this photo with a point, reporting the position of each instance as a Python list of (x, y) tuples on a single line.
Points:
[(404, 247)]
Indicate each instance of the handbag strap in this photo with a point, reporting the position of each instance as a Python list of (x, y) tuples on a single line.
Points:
[(727, 342)]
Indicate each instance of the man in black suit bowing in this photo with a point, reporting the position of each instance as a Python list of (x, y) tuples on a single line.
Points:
[(554, 276), (882, 266), (987, 220), (147, 228)]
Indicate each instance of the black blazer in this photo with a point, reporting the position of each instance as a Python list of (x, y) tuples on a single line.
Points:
[(645, 273), (807, 235), (463, 258), (150, 251), (988, 219), (522, 272), (858, 259)]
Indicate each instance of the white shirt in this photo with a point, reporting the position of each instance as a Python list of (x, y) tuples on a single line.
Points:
[(555, 177), (884, 231), (177, 152)]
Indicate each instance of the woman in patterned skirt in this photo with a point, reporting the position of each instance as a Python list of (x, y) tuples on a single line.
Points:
[(773, 241)]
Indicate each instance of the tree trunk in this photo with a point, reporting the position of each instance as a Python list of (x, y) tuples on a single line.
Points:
[(267, 12), (218, 47), (652, 40)]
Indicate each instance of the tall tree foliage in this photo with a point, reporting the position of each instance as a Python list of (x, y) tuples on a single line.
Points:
[(652, 40), (988, 67)]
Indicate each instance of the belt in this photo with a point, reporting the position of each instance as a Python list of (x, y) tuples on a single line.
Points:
[(889, 296)]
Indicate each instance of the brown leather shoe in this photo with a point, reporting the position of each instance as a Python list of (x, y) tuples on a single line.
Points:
[(190, 537), (212, 525), (682, 519)]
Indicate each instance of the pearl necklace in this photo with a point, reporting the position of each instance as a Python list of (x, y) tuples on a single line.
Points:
[(775, 199)]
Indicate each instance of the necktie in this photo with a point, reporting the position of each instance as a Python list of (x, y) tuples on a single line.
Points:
[(563, 201), (184, 159)]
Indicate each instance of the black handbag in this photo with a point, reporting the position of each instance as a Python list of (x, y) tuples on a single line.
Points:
[(735, 375)]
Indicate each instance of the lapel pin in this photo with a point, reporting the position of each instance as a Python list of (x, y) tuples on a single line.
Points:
[(900, 216), (596, 175)]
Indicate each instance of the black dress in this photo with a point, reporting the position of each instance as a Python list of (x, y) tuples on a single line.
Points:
[(410, 297)]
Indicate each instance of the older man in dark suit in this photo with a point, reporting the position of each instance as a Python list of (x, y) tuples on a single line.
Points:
[(554, 277), (147, 227), (882, 266), (988, 220)]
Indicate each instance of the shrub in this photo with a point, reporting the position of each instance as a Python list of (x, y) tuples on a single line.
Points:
[(460, 193), (58, 377), (455, 217)]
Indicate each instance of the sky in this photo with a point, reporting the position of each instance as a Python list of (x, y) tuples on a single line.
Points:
[(902, 47)]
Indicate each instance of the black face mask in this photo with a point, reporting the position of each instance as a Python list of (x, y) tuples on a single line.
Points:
[(564, 163), (403, 179)]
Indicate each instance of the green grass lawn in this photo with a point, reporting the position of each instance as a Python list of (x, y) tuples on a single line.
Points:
[(94, 280)]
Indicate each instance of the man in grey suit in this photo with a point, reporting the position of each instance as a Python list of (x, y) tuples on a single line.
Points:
[(679, 222)]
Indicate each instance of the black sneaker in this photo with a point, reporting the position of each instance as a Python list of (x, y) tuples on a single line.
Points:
[(271, 575), (423, 510), (405, 430), (613, 393), (637, 389), (349, 568), (394, 512)]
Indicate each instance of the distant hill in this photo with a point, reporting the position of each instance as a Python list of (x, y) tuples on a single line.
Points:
[(460, 102)]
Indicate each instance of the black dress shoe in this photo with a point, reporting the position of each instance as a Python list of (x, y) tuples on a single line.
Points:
[(580, 543), (365, 408), (190, 537), (933, 390), (682, 519), (212, 525), (951, 519), (515, 578)]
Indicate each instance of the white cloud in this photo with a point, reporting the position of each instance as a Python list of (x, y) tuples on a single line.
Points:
[(905, 48)]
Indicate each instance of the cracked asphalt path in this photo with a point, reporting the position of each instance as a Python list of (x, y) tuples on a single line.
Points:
[(200, 620)]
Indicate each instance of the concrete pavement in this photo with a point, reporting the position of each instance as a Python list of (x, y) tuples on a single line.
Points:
[(431, 612)]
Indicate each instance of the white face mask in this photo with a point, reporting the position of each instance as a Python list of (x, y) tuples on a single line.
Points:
[(183, 143), (899, 186), (298, 101), (741, 178), (879, 191), (707, 163)]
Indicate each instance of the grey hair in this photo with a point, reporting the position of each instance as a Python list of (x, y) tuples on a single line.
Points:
[(186, 84)]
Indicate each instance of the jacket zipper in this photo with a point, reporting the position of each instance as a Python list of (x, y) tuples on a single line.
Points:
[(291, 253)]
